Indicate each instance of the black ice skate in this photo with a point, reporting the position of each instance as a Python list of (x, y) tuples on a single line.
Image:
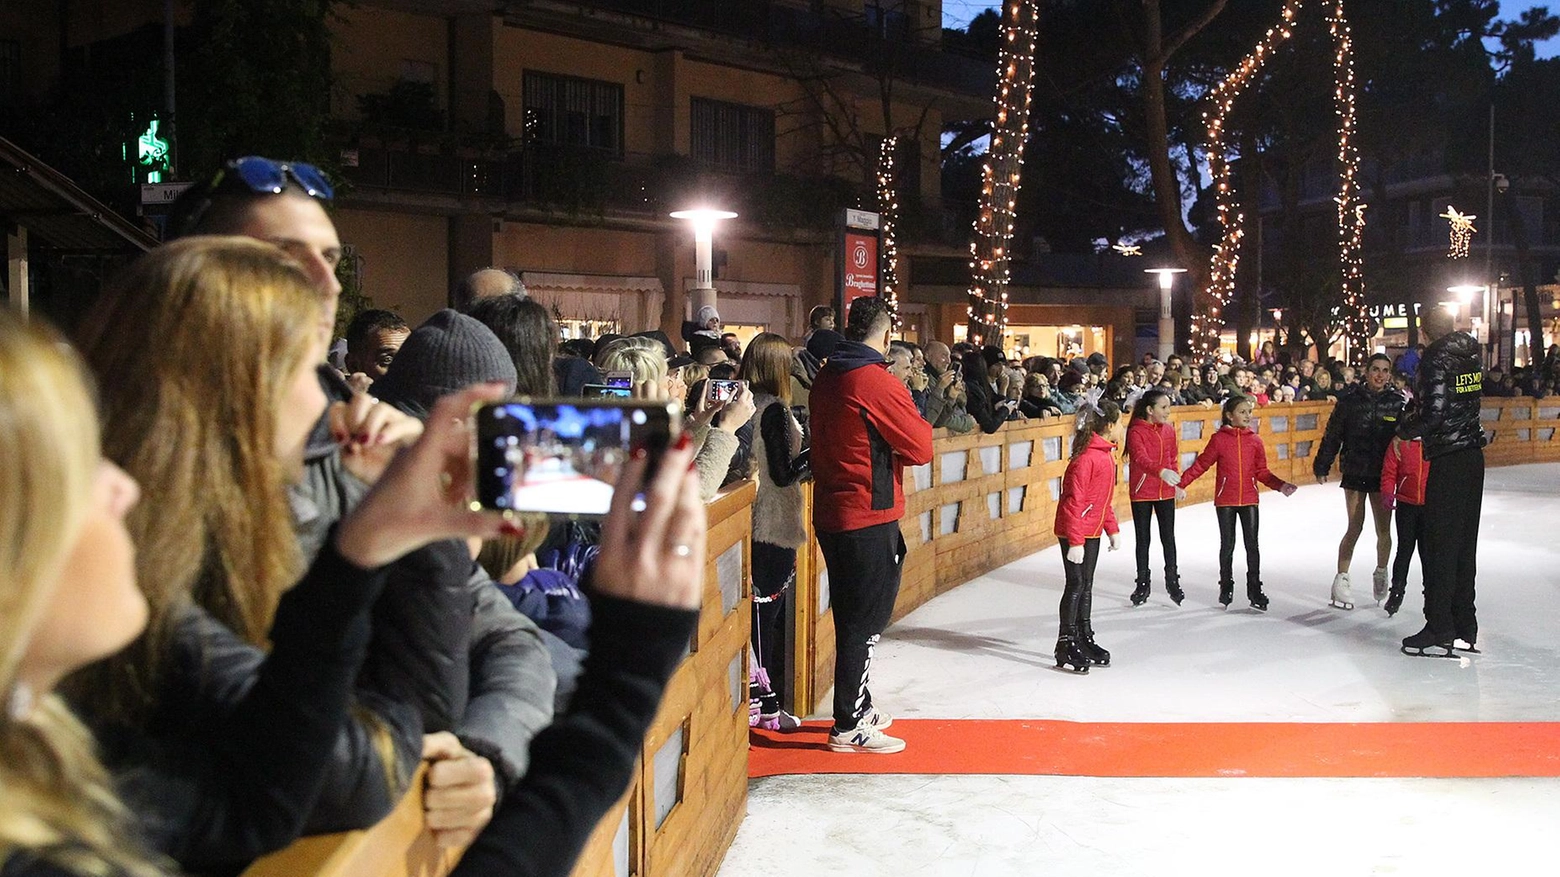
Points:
[(1226, 593), (1259, 600), (1173, 588), (1427, 644), (1092, 650), (1070, 656), (1140, 593), (1395, 599), (1463, 644)]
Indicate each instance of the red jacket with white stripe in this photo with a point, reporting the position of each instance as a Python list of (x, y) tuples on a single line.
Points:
[(1404, 472), (1084, 509), (1242, 462), (1151, 448)]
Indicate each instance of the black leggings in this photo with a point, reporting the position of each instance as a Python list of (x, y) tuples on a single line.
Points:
[(1142, 512), (1410, 532), (1247, 514), (774, 570), (1078, 593)]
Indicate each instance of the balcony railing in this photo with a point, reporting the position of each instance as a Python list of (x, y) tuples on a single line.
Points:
[(588, 182)]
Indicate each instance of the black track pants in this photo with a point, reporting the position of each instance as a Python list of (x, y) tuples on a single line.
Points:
[(1454, 497), (864, 568)]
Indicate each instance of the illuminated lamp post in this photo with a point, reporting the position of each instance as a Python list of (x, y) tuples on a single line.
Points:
[(1465, 293), (1166, 318), (703, 220)]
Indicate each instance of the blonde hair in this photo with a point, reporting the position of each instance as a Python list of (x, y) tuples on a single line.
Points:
[(221, 325), (55, 798), (645, 363)]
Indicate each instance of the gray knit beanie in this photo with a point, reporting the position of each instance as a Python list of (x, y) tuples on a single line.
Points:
[(448, 353)]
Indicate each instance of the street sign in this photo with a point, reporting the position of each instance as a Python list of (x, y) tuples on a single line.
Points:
[(861, 219), (162, 193)]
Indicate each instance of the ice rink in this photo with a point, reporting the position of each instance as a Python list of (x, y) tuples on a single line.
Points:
[(984, 651)]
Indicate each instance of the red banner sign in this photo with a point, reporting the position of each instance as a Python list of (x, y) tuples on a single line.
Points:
[(861, 268)]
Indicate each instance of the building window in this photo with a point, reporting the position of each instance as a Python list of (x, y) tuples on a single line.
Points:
[(423, 72), (10, 72), (733, 137), (889, 19), (574, 112)]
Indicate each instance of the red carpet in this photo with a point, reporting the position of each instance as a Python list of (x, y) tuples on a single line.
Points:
[(1235, 749)]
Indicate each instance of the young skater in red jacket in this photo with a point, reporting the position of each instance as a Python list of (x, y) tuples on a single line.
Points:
[(1404, 474), (1082, 513), (1153, 471), (1242, 462)]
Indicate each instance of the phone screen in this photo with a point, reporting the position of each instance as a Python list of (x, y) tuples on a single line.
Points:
[(606, 391), (619, 379), (562, 457), (723, 391)]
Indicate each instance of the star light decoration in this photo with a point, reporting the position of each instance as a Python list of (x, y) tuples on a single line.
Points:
[(888, 219), (1208, 323), (1001, 174), (1127, 249), (1462, 231)]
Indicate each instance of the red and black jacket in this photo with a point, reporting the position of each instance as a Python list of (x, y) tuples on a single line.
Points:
[(865, 429), (1084, 509), (1405, 471), (1242, 462), (1151, 448)]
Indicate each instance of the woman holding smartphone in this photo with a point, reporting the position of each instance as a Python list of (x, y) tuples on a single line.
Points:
[(783, 463), (69, 597)]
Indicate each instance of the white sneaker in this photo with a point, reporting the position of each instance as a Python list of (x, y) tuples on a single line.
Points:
[(1378, 585), (1342, 594), (780, 721), (876, 718), (864, 739)]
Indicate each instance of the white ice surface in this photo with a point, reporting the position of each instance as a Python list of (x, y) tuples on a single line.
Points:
[(983, 651)]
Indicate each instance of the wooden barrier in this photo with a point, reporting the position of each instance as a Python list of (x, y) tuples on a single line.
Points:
[(398, 846)]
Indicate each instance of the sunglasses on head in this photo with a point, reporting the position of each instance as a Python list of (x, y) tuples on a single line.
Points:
[(262, 175)]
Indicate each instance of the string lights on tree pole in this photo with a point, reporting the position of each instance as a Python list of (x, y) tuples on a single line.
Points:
[(1002, 173), (1206, 327), (888, 217), (1351, 210)]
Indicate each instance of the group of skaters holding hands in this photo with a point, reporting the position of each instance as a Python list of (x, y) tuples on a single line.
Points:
[(1384, 446)]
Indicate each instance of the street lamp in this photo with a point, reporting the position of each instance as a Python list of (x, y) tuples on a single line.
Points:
[(1465, 293), (1166, 319), (703, 220)]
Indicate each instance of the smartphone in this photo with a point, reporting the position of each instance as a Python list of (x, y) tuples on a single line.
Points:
[(562, 457), (606, 391), (722, 391), (619, 379)]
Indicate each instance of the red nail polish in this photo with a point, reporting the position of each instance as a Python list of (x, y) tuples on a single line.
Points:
[(683, 441), (509, 528), (639, 453), (362, 438)]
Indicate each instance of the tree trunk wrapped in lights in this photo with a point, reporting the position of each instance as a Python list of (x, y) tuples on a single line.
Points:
[(1208, 322), (888, 221), (1002, 173)]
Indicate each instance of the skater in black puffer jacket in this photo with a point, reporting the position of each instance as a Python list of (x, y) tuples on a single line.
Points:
[(1450, 386), (1361, 427)]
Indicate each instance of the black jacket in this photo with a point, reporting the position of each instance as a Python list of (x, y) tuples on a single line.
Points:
[(1361, 426), (1450, 385), (446, 639), (249, 749), (583, 762)]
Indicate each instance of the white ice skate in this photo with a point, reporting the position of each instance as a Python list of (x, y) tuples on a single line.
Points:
[(1342, 595), (1378, 585)]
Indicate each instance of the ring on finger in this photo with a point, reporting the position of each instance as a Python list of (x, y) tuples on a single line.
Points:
[(682, 549)]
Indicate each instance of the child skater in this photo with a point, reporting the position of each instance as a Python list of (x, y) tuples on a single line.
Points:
[(1082, 513), (1242, 462), (1153, 472), (1404, 473)]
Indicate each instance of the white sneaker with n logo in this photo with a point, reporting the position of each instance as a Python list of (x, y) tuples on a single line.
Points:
[(864, 739)]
